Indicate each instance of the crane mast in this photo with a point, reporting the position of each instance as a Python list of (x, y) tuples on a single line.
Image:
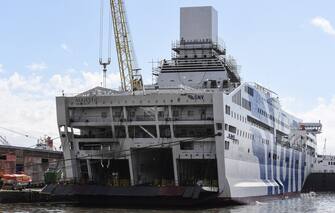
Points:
[(131, 80)]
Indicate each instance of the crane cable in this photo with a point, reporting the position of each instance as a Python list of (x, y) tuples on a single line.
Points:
[(26, 135), (18, 133), (104, 62), (130, 151), (102, 32)]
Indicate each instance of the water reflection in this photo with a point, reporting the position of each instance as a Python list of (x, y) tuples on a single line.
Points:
[(319, 203)]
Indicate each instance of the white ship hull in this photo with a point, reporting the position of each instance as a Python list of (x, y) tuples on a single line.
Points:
[(198, 126)]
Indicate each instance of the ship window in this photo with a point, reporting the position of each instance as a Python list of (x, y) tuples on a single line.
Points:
[(165, 131), (120, 132), (227, 110), (142, 131), (232, 129), (237, 98), (213, 84), (246, 104), (131, 114), (89, 146), (175, 113), (45, 160), (71, 145), (190, 113), (186, 146), (141, 113), (161, 114), (184, 131), (76, 131), (226, 145), (104, 114), (274, 157), (118, 114), (260, 124), (219, 126), (205, 84), (250, 91)]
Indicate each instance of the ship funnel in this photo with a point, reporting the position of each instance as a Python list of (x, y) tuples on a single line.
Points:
[(199, 24)]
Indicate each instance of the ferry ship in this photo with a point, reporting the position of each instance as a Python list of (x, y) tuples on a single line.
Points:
[(197, 135)]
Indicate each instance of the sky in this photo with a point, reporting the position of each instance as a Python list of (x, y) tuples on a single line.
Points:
[(47, 47)]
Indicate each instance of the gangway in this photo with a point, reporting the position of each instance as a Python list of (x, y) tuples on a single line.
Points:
[(315, 128)]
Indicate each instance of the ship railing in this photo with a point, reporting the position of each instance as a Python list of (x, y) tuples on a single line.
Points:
[(269, 93), (90, 119), (199, 44), (109, 135), (113, 119), (141, 118), (207, 117)]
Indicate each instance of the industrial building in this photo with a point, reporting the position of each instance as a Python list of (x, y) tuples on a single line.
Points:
[(30, 161)]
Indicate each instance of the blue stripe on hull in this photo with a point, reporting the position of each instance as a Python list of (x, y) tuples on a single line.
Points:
[(292, 169), (281, 172), (296, 170), (303, 162), (276, 189), (287, 163), (286, 181), (269, 169)]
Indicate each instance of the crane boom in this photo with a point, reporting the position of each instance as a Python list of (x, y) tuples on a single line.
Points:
[(131, 80), (3, 140)]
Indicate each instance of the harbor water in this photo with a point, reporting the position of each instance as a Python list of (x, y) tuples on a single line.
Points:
[(319, 202)]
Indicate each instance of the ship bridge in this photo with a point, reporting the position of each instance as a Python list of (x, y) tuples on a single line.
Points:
[(199, 60)]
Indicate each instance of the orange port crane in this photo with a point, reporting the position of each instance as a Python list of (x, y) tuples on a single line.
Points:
[(131, 80)]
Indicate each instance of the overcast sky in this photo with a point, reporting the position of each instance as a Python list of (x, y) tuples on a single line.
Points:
[(50, 46)]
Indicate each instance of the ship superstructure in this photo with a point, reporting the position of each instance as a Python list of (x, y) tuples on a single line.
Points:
[(198, 125)]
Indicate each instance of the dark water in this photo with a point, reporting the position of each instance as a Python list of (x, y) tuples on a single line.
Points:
[(305, 203)]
